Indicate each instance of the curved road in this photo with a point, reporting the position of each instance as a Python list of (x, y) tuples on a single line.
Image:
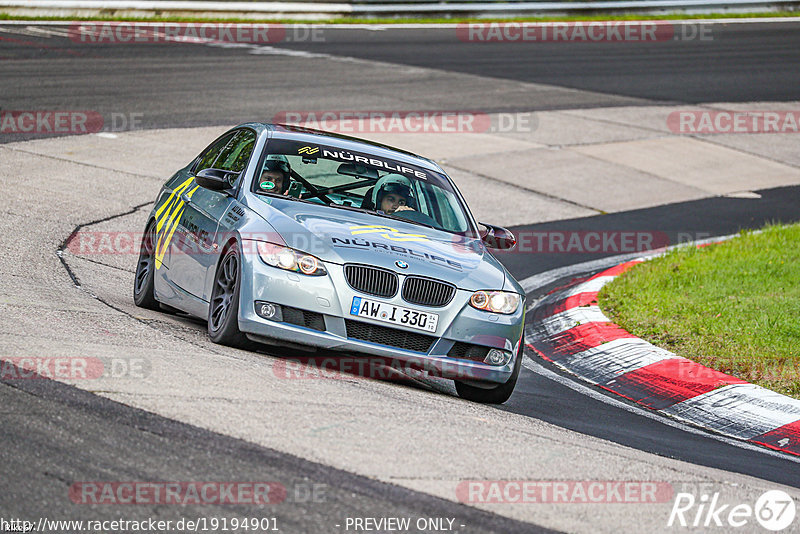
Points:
[(165, 86), (168, 85)]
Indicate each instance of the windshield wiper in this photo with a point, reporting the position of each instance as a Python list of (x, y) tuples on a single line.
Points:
[(352, 208), (382, 214), (409, 221), (286, 197)]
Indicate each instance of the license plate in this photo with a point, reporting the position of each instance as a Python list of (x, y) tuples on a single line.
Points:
[(389, 313)]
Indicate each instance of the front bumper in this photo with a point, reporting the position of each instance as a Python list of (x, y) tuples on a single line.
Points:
[(331, 297)]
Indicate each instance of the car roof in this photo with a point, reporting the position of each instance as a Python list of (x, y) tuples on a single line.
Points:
[(345, 142)]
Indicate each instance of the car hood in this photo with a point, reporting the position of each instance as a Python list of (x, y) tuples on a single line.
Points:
[(343, 236)]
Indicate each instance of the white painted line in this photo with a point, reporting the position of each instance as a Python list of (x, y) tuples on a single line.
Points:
[(414, 26), (741, 410), (590, 286), (610, 360), (453, 25), (563, 321), (167, 5), (592, 393), (546, 278), (414, 7), (405, 26), (50, 32), (32, 31), (586, 287)]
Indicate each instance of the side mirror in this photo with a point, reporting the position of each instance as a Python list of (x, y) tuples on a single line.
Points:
[(498, 237), (216, 179)]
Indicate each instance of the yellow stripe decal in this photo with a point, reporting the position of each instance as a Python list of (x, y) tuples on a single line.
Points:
[(167, 217), (389, 232), (173, 205), (173, 220), (177, 191), (190, 193), (161, 248)]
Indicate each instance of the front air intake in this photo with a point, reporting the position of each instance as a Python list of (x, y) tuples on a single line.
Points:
[(371, 280), (427, 292), (392, 337)]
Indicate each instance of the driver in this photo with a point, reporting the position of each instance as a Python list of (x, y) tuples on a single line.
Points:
[(393, 193), (275, 175)]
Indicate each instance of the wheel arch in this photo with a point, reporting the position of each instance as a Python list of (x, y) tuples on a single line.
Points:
[(224, 246)]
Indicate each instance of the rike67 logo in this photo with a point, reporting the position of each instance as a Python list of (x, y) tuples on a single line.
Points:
[(774, 510)]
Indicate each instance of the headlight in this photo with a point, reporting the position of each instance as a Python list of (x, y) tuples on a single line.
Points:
[(495, 301), (290, 260)]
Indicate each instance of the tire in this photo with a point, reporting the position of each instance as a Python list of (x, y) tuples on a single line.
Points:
[(223, 309), (144, 280), (495, 395)]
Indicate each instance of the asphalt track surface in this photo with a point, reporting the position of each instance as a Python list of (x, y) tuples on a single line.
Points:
[(731, 63), (168, 85), (191, 85), (41, 418)]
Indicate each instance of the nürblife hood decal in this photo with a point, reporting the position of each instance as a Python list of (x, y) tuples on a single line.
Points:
[(333, 235)]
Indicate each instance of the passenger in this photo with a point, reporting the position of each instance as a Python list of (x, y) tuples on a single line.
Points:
[(275, 175), (392, 193)]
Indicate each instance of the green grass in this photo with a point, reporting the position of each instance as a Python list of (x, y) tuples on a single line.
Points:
[(734, 307), (672, 16)]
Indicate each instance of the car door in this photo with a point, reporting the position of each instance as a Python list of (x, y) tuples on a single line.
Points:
[(173, 205), (195, 254)]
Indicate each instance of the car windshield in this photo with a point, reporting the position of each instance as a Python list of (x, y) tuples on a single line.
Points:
[(362, 182)]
